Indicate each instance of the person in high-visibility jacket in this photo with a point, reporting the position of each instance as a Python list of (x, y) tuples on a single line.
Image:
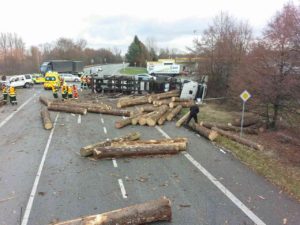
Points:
[(75, 91), (55, 91), (64, 91), (12, 95), (81, 81), (85, 82), (4, 92), (70, 92)]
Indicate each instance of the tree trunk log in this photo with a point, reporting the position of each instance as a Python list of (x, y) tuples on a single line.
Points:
[(248, 121), (238, 139), (159, 96), (174, 112), (114, 112), (127, 121), (148, 108), (46, 119), (85, 105), (45, 100), (203, 131), (163, 118), (228, 128), (162, 102), (143, 119), (131, 102), (178, 99), (182, 119), (148, 212), (88, 150), (152, 120), (185, 104), (68, 109)]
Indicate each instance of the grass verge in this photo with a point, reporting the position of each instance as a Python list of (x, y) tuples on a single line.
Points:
[(133, 70), (287, 177)]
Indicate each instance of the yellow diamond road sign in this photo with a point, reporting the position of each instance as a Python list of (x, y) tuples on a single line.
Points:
[(245, 95)]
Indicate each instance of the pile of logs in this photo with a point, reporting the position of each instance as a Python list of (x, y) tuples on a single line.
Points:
[(130, 146), (148, 212)]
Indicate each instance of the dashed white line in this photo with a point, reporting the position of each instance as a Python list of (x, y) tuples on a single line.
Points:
[(18, 109), (102, 121), (219, 185), (123, 191), (115, 163), (37, 177), (79, 119), (104, 129)]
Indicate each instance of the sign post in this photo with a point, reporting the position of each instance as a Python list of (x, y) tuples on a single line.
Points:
[(245, 95)]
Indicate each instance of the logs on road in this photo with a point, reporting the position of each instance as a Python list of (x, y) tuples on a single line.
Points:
[(248, 121), (162, 102), (182, 119), (239, 139), (127, 121), (148, 212), (159, 96), (184, 104), (152, 119), (143, 119), (114, 112), (141, 148), (163, 118), (228, 128), (148, 108), (174, 112), (45, 100), (46, 119), (132, 101), (68, 109), (177, 99), (203, 131), (88, 150)]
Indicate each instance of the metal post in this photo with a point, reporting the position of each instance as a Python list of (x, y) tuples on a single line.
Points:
[(242, 122)]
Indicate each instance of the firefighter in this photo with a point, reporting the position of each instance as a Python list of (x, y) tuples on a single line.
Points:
[(12, 95), (75, 91), (4, 92), (55, 91), (70, 92), (64, 91)]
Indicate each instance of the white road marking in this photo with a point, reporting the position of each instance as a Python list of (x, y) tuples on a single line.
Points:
[(13, 113), (123, 191), (104, 129), (102, 121), (115, 163), (79, 119), (221, 150), (219, 185), (37, 178)]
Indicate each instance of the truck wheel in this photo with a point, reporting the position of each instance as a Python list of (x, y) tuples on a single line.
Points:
[(26, 85), (98, 89)]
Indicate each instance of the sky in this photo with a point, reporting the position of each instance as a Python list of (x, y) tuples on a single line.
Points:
[(113, 23)]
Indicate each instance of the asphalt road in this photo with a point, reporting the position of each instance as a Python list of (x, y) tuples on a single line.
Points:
[(207, 185)]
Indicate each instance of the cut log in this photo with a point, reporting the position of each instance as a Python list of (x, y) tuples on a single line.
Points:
[(181, 143), (162, 102), (127, 121), (148, 108), (114, 112), (89, 106), (228, 128), (152, 120), (148, 212), (182, 119), (169, 94), (186, 104), (178, 99), (248, 121), (46, 119), (174, 112), (163, 118), (44, 100), (88, 150), (143, 119), (203, 131), (283, 138), (131, 102), (239, 139), (68, 109)]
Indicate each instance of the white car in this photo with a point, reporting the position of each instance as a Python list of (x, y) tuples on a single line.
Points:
[(144, 77), (20, 81), (69, 77)]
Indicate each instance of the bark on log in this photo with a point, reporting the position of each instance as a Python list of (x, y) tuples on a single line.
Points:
[(82, 105), (228, 128), (174, 112), (182, 119), (163, 118), (238, 139), (143, 119), (178, 99), (203, 131), (45, 100), (185, 104), (283, 138), (46, 119), (148, 108), (152, 120), (148, 212), (162, 102), (127, 121), (114, 112), (88, 150), (248, 121), (68, 109), (131, 102), (181, 143), (169, 94)]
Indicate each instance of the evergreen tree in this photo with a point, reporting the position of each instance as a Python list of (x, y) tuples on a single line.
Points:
[(137, 53)]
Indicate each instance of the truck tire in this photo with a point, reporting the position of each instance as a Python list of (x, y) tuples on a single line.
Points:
[(98, 89), (27, 85)]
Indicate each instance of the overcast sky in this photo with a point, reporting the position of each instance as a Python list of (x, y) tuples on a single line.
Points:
[(113, 23)]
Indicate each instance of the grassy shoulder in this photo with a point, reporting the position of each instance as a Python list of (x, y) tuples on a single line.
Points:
[(133, 70)]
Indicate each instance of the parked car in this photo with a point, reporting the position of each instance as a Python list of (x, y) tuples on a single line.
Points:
[(69, 77), (144, 77), (38, 78), (21, 81)]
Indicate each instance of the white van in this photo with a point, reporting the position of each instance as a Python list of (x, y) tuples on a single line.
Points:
[(21, 81)]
